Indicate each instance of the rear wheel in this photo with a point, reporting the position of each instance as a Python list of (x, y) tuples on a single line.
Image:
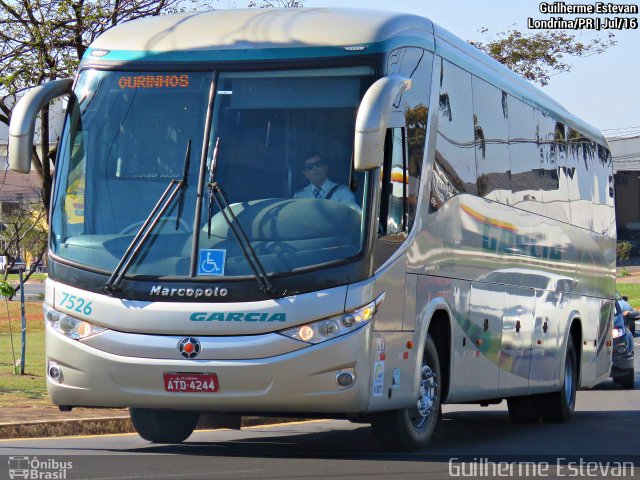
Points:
[(412, 428), (628, 381), (163, 426), (558, 407)]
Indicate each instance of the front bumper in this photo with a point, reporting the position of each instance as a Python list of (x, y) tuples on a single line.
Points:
[(300, 381)]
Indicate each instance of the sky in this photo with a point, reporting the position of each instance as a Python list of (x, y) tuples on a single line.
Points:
[(602, 89)]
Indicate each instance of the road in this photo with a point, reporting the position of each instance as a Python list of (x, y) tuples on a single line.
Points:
[(32, 292), (605, 428)]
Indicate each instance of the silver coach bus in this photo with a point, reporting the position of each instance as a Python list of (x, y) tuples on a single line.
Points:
[(466, 252)]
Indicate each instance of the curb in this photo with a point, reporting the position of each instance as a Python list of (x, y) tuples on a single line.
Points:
[(103, 426), (63, 428)]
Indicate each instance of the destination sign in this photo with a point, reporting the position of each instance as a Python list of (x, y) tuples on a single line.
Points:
[(153, 81)]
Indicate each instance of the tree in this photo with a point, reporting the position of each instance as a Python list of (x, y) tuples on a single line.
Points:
[(43, 40), (23, 233), (538, 56)]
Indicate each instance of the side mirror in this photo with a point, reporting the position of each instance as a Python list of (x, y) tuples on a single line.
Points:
[(23, 121), (374, 117)]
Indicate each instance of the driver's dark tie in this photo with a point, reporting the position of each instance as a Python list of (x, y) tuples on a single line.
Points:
[(316, 192)]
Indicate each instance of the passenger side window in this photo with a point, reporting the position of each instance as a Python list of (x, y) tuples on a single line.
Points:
[(581, 158), (455, 163), (601, 213), (491, 132), (393, 204), (525, 156), (393, 215), (414, 63), (553, 197), (564, 173)]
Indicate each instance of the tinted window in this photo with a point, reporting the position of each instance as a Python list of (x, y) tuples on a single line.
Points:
[(416, 64), (525, 156), (581, 156), (552, 196), (455, 166), (601, 210), (564, 174), (491, 131), (610, 197)]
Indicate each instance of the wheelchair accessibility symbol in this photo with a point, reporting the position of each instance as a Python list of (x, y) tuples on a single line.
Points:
[(211, 262)]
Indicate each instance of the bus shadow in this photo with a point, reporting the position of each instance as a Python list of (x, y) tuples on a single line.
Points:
[(462, 434)]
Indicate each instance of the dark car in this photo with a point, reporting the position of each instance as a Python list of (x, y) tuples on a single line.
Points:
[(622, 370), (632, 316)]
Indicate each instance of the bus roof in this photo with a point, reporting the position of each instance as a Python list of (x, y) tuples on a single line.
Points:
[(262, 28), (259, 34)]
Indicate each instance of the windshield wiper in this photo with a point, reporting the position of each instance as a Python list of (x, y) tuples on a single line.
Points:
[(166, 199), (212, 176), (217, 196), (184, 183)]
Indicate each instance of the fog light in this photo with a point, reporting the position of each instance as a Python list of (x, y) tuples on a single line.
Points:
[(622, 349), (345, 379), (55, 373), (348, 320)]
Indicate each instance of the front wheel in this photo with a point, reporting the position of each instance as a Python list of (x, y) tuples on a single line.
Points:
[(412, 428), (163, 426), (558, 407)]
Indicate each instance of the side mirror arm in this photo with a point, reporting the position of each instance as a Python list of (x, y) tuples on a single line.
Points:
[(23, 121)]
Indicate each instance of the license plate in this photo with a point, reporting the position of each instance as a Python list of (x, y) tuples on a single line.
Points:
[(191, 382)]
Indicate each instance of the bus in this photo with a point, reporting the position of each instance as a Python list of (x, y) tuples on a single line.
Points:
[(467, 255)]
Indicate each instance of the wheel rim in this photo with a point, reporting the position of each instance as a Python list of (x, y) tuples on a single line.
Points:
[(427, 397), (568, 380)]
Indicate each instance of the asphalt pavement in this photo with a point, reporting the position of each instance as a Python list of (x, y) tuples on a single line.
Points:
[(604, 433)]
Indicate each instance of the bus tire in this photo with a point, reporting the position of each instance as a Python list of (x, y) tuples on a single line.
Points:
[(523, 410), (411, 429), (163, 426), (557, 407)]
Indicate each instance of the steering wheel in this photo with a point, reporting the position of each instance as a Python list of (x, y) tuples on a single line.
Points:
[(134, 227)]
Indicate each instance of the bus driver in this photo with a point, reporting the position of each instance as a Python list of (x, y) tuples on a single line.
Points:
[(316, 170)]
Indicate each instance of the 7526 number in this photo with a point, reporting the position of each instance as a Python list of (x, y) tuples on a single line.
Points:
[(76, 304)]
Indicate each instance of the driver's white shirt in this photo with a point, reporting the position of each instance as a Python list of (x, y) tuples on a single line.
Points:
[(342, 194)]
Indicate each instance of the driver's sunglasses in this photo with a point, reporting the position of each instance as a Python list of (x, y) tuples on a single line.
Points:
[(312, 165)]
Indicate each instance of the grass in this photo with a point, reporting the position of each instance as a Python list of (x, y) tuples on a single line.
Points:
[(631, 290), (14, 278), (17, 389)]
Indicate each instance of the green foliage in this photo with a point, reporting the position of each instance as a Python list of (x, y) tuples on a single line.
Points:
[(631, 290), (538, 56), (623, 251), (25, 231), (6, 290)]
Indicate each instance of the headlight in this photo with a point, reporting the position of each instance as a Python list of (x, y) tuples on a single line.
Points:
[(618, 332), (69, 326), (328, 328)]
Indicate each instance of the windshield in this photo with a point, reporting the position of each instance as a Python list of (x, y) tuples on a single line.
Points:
[(284, 153)]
